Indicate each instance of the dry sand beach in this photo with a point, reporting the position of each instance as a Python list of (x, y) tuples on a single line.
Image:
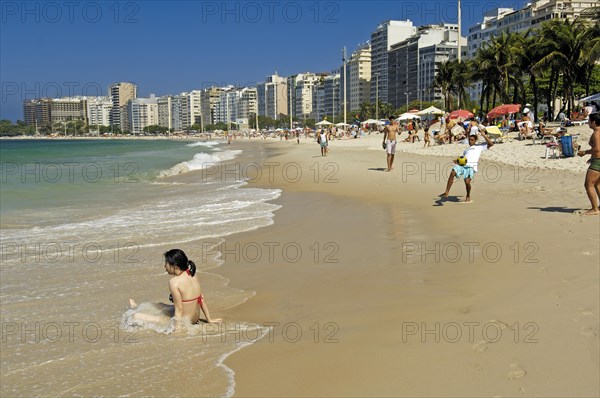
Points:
[(384, 290)]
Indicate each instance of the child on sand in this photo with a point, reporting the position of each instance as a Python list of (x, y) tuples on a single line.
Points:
[(427, 137), (473, 153)]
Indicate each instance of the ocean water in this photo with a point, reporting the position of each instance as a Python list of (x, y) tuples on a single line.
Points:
[(84, 224)]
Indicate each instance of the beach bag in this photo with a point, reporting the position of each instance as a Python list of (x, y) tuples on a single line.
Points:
[(567, 146)]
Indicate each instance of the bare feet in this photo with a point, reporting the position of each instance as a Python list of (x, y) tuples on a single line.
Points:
[(467, 199), (592, 212), (132, 304), (215, 320)]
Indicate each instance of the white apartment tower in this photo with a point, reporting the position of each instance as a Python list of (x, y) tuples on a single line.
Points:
[(99, 110), (358, 72), (142, 112), (273, 96)]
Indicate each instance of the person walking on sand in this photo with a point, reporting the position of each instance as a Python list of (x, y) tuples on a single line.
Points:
[(473, 153), (592, 177), (389, 141), (322, 139)]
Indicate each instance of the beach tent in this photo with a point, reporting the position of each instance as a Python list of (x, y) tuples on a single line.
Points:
[(590, 98), (408, 116), (432, 110), (503, 110), (370, 121), (460, 114)]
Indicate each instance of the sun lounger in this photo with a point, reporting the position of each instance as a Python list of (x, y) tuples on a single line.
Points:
[(496, 134)]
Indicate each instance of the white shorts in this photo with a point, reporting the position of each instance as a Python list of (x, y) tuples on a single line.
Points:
[(390, 146)]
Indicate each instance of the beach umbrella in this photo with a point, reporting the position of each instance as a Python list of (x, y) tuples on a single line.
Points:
[(413, 111), (590, 98), (323, 123), (503, 110), (408, 116), (461, 114), (371, 121), (342, 124), (432, 110)]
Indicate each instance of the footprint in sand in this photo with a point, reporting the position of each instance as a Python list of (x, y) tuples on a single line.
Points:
[(481, 346), (588, 332), (464, 310), (585, 311), (516, 371)]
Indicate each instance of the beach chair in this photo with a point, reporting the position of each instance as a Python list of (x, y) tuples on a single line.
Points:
[(496, 134), (552, 147)]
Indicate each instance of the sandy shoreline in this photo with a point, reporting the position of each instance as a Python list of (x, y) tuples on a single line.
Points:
[(515, 274)]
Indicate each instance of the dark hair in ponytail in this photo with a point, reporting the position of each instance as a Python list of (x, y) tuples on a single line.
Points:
[(177, 258)]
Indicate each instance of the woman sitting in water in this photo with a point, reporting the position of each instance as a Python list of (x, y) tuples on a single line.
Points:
[(186, 293)]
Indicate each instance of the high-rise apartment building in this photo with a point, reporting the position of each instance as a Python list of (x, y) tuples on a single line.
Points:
[(305, 83), (358, 75), (36, 112), (142, 112), (272, 96), (210, 98), (327, 99), (120, 94), (385, 35), (413, 63), (98, 109)]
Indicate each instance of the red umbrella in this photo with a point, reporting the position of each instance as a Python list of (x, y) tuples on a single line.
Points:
[(413, 110), (503, 110), (461, 113)]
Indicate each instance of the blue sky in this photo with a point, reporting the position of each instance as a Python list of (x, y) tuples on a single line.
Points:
[(60, 48)]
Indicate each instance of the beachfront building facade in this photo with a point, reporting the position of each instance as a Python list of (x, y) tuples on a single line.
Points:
[(385, 35), (209, 99), (120, 94), (164, 111), (141, 113), (193, 111), (236, 105), (327, 97), (98, 110), (36, 112), (304, 85), (272, 96), (53, 112), (413, 63), (358, 77)]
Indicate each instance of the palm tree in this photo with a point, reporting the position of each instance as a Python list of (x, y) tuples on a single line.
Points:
[(485, 69), (444, 81), (564, 44), (503, 48), (461, 78), (527, 53)]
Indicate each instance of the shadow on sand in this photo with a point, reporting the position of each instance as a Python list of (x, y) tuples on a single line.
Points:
[(377, 169), (556, 209), (441, 200)]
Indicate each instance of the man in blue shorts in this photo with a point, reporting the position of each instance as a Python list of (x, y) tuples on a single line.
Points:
[(473, 153)]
